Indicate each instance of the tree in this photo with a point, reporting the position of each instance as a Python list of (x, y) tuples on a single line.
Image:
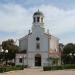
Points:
[(11, 47), (66, 57)]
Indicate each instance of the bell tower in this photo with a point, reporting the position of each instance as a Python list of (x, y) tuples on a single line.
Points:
[(38, 18)]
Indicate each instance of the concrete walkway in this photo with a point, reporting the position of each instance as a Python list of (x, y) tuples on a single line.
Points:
[(33, 71)]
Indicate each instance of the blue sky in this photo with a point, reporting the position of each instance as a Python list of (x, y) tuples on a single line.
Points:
[(16, 18), (28, 3)]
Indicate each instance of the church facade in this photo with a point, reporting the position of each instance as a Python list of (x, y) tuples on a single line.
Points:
[(38, 47)]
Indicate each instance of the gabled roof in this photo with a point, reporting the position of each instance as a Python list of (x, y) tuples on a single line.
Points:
[(26, 36), (22, 52), (49, 35)]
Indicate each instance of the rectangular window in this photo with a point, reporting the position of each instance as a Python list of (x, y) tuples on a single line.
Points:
[(38, 19), (38, 46), (20, 60)]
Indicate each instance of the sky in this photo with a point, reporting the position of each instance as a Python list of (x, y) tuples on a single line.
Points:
[(16, 18)]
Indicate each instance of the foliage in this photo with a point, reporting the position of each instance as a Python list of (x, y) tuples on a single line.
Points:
[(66, 57), (10, 68), (11, 47), (59, 67), (68, 48)]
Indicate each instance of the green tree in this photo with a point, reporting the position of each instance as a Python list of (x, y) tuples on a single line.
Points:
[(11, 47), (66, 57)]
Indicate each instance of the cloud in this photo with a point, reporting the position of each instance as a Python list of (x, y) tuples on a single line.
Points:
[(13, 16), (14, 19), (17, 19), (65, 4), (60, 22)]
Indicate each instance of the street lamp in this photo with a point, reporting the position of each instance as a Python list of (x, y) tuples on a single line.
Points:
[(70, 54), (2, 50), (74, 54), (4, 53), (72, 57), (1, 55)]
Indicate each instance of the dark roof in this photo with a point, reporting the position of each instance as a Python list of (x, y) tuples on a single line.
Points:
[(38, 13), (22, 52)]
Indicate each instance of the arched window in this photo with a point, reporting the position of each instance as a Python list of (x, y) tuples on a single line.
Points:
[(37, 45), (38, 19), (37, 60)]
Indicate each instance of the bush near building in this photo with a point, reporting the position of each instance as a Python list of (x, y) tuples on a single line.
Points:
[(60, 67), (11, 68)]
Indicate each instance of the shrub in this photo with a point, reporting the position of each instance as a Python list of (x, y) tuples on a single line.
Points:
[(10, 68), (46, 68), (12, 64), (57, 67), (69, 66), (61, 67)]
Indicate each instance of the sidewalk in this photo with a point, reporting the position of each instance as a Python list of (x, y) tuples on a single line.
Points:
[(33, 71)]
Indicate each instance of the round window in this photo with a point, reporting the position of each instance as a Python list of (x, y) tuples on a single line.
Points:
[(37, 38)]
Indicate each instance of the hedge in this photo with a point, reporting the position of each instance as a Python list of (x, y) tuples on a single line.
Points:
[(61, 67), (10, 68)]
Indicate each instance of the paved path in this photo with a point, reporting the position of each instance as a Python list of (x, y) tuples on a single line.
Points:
[(40, 72)]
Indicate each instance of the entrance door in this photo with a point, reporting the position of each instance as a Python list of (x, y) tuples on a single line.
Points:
[(38, 60)]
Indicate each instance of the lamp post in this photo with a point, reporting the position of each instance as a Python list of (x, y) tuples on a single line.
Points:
[(1, 53), (72, 57), (2, 50), (4, 53)]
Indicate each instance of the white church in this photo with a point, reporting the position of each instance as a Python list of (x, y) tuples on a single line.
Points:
[(38, 47)]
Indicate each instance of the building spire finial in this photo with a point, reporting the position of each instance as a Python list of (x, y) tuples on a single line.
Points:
[(38, 10)]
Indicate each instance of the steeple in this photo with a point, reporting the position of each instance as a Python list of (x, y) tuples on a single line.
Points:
[(38, 18)]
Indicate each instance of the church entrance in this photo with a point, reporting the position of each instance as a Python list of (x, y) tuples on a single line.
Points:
[(37, 60)]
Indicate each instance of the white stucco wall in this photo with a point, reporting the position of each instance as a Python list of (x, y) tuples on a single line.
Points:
[(32, 50), (54, 43), (23, 43), (31, 58), (24, 59)]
